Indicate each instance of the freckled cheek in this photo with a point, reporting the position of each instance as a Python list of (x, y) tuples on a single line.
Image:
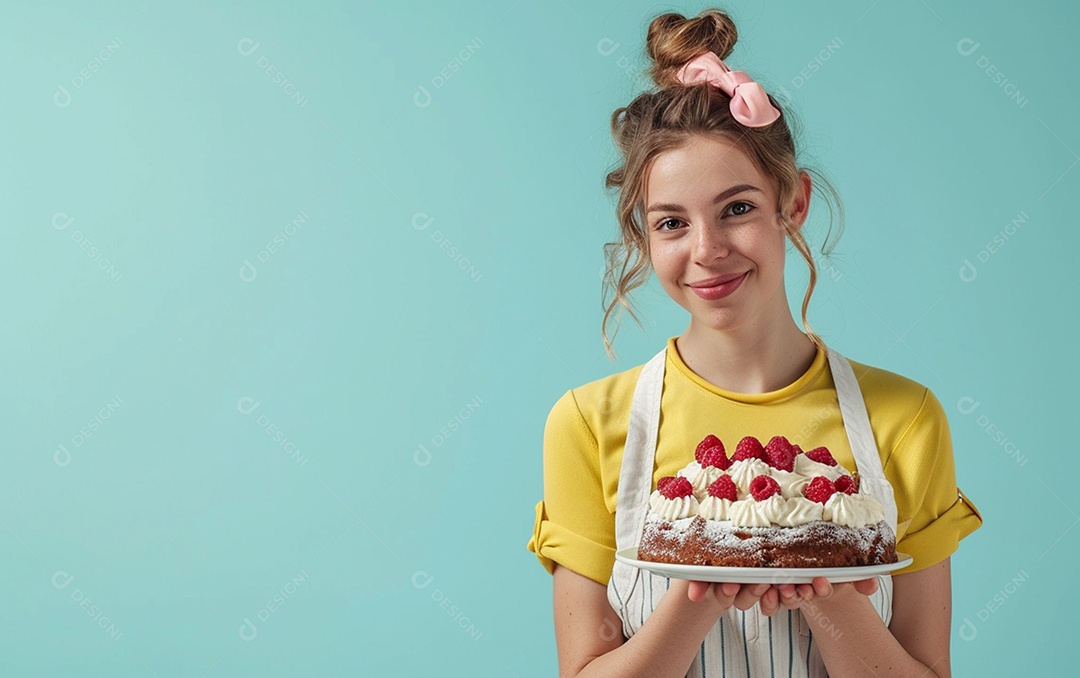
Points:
[(665, 272), (667, 265), (766, 248), (776, 259)]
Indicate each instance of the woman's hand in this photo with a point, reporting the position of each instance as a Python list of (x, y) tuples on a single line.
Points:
[(742, 596), (794, 596), (772, 598)]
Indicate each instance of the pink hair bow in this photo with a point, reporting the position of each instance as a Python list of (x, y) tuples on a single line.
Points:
[(750, 104)]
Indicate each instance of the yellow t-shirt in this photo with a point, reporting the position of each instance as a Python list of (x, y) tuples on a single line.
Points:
[(586, 432)]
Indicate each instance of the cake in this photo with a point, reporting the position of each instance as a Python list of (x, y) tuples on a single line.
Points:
[(766, 506)]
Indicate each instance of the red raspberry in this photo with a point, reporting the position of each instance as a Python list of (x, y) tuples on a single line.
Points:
[(674, 487), (780, 454), (724, 488), (763, 487), (710, 452), (798, 450), (822, 456), (819, 489), (845, 484), (749, 448), (708, 442)]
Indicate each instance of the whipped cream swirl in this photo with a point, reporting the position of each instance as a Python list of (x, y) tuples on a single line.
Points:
[(714, 508), (753, 513), (672, 509), (745, 470), (799, 511), (700, 477), (853, 510), (791, 484), (810, 468)]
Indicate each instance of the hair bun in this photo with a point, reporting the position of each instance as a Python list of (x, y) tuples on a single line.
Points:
[(673, 40)]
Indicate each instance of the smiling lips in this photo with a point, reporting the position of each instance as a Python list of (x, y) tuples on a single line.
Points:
[(718, 288)]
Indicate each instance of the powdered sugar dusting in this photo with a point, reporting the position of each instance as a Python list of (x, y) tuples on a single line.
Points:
[(696, 541)]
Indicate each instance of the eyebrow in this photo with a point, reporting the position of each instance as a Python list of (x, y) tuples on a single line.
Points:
[(723, 195)]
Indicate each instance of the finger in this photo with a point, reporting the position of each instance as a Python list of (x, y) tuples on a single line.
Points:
[(730, 590), (822, 587), (770, 602), (789, 596), (724, 593), (697, 591), (805, 592), (749, 595), (866, 586)]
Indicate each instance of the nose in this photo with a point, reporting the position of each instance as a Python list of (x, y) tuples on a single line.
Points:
[(709, 243)]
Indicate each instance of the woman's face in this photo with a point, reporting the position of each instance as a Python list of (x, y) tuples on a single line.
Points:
[(716, 244)]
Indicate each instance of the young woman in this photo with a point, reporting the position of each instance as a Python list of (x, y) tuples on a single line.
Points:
[(709, 197)]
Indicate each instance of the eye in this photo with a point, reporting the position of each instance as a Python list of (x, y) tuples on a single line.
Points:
[(736, 212), (660, 226)]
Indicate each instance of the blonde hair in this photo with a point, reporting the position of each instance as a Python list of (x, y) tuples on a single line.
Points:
[(663, 119)]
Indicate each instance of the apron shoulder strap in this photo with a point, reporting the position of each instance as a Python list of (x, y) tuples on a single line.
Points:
[(639, 453), (861, 435)]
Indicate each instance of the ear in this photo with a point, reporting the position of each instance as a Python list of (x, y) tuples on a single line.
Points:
[(801, 203)]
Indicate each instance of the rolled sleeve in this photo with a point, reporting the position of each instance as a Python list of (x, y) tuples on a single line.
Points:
[(940, 539), (552, 543), (573, 525), (935, 514)]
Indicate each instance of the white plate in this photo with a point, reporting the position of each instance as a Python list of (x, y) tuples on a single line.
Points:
[(760, 575)]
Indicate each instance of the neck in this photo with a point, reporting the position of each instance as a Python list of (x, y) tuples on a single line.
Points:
[(748, 359)]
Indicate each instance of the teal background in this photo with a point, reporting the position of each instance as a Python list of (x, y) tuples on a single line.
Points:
[(193, 429)]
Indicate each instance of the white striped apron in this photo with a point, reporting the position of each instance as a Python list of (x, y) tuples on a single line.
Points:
[(741, 643)]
